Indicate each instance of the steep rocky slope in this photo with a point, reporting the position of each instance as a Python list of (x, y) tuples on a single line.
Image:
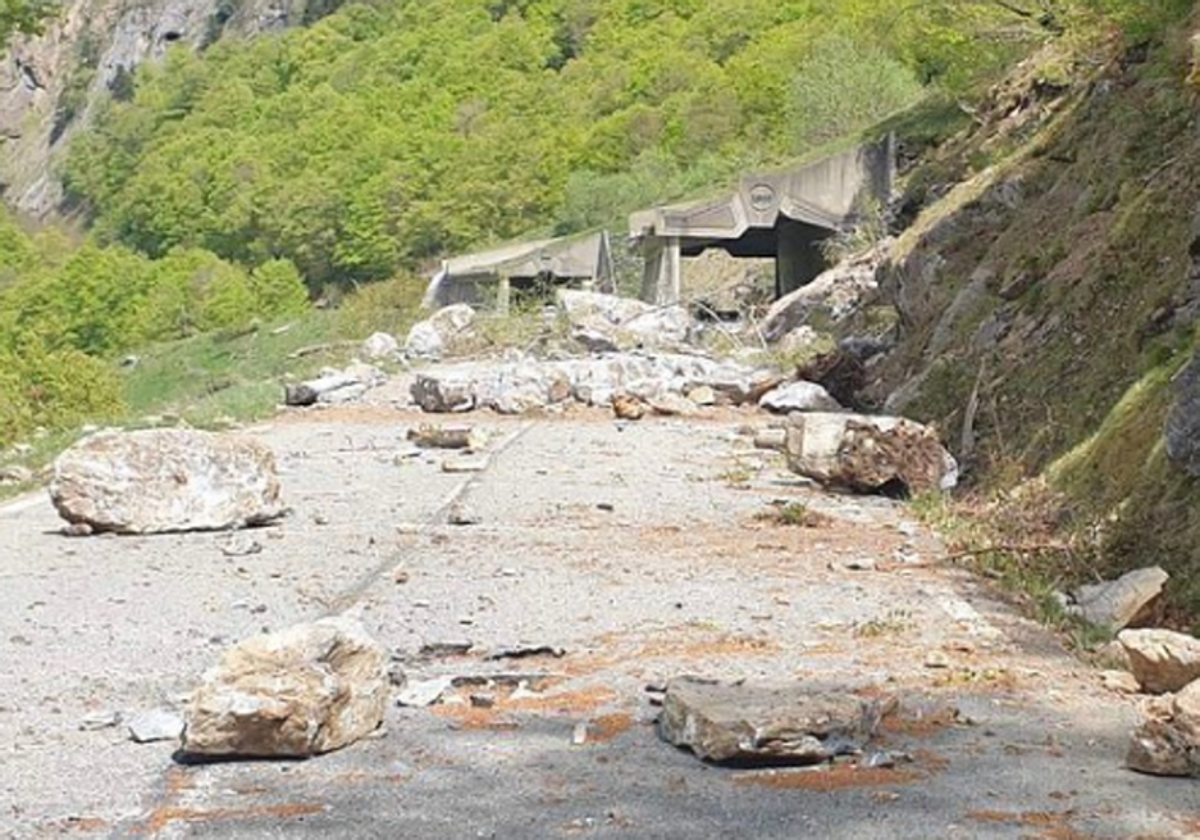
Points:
[(1048, 295), (51, 84)]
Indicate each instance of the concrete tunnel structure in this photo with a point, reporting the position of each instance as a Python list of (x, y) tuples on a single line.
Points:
[(784, 215)]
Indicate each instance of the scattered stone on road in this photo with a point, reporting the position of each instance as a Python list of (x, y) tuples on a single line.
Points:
[(1167, 743), (430, 436), (628, 407), (155, 725), (742, 724), (465, 464), (1162, 661), (164, 480), (379, 346), (300, 692), (869, 454), (418, 695), (1118, 604)]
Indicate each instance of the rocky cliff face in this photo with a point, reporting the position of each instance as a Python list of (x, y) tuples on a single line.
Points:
[(51, 85)]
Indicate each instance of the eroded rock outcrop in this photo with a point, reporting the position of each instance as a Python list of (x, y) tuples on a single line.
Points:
[(306, 690), (160, 480)]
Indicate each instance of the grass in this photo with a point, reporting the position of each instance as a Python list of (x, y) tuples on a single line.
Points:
[(794, 515)]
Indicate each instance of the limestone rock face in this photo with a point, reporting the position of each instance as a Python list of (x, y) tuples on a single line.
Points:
[(741, 724), (300, 692), (1162, 660), (1167, 743), (868, 453), (162, 480)]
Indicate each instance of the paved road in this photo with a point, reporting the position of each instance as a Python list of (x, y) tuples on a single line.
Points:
[(634, 548)]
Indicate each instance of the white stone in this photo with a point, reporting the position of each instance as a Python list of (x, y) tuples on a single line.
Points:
[(1162, 660), (160, 480), (799, 396)]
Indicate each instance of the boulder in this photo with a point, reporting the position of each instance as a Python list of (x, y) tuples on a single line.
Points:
[(300, 692), (798, 396), (1119, 603), (1167, 742), (745, 725), (832, 296), (869, 454), (441, 332), (446, 390), (161, 480), (624, 323), (379, 346), (1162, 660)]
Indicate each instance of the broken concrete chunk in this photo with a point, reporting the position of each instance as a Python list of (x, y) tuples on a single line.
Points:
[(741, 724), (162, 480), (1162, 660), (869, 454), (1119, 603), (1167, 742), (300, 692), (798, 396)]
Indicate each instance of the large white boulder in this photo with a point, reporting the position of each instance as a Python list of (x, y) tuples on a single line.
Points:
[(437, 335), (303, 691), (161, 480), (625, 322)]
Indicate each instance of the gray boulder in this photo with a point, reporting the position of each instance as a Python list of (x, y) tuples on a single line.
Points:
[(741, 724), (300, 692), (161, 480), (1117, 604)]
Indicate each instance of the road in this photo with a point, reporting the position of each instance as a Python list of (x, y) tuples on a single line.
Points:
[(638, 550)]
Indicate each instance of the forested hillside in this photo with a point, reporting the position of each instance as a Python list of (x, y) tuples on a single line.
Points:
[(218, 187)]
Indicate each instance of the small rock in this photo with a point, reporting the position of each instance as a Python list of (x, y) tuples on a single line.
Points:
[(461, 515), (799, 396), (15, 475), (465, 464), (379, 346), (99, 720), (937, 659), (773, 439), (429, 436), (419, 695), (579, 734), (702, 396), (861, 564), (627, 407), (240, 545), (1120, 682), (483, 701), (156, 725)]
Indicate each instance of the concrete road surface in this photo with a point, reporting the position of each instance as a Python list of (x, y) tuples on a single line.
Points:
[(638, 551)]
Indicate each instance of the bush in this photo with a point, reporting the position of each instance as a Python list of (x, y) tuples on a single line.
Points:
[(54, 389)]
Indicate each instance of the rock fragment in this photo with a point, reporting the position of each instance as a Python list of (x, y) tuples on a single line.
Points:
[(429, 436), (300, 692), (798, 396), (1167, 742), (740, 724), (1162, 661), (442, 333), (868, 453), (379, 346), (163, 480), (155, 725)]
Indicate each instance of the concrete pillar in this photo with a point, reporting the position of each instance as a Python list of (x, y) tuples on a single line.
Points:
[(662, 282), (503, 295), (798, 258)]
